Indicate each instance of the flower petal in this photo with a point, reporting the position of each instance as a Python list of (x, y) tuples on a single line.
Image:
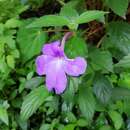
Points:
[(76, 66), (41, 62), (61, 82), (55, 76), (49, 49)]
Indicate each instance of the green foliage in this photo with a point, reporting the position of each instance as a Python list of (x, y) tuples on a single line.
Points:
[(49, 20), (10, 9), (101, 60), (116, 118), (90, 16), (120, 93), (86, 102), (33, 101), (97, 100), (102, 88), (68, 17), (124, 62), (78, 46), (118, 6), (4, 115), (117, 39), (30, 45), (124, 80)]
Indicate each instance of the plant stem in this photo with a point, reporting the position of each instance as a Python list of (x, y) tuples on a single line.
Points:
[(66, 36)]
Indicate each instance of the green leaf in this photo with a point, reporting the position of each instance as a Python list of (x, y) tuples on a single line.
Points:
[(15, 53), (13, 23), (116, 118), (90, 16), (124, 80), (30, 42), (118, 6), (33, 101), (71, 14), (102, 88), (70, 117), (49, 20), (69, 127), (72, 88), (82, 122), (126, 107), (101, 60), (86, 102), (45, 127), (4, 115), (10, 61), (117, 39), (76, 46), (33, 83), (120, 93), (124, 62), (106, 127), (3, 66)]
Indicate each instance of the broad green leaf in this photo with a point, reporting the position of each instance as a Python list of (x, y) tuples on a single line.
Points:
[(102, 88), (4, 115), (31, 83), (11, 9), (70, 117), (101, 60), (90, 16), (75, 5), (33, 101), (34, 82), (68, 12), (30, 42), (10, 61), (69, 127), (15, 53), (124, 62), (76, 46), (118, 6), (3, 66), (124, 80), (45, 127), (86, 102), (49, 20), (101, 119), (116, 118), (82, 122), (126, 107), (117, 39), (71, 14), (9, 40), (23, 124), (119, 93), (106, 127), (72, 88), (13, 23)]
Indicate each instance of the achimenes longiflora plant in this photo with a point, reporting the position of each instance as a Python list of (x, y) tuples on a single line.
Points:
[(56, 65)]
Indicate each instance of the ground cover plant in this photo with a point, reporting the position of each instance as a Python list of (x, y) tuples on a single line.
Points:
[(64, 65)]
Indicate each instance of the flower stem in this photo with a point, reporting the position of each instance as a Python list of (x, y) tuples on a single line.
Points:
[(65, 38)]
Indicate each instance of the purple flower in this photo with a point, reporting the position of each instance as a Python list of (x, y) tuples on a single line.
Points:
[(55, 65)]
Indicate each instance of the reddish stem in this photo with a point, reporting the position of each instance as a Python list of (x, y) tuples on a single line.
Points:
[(65, 38)]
